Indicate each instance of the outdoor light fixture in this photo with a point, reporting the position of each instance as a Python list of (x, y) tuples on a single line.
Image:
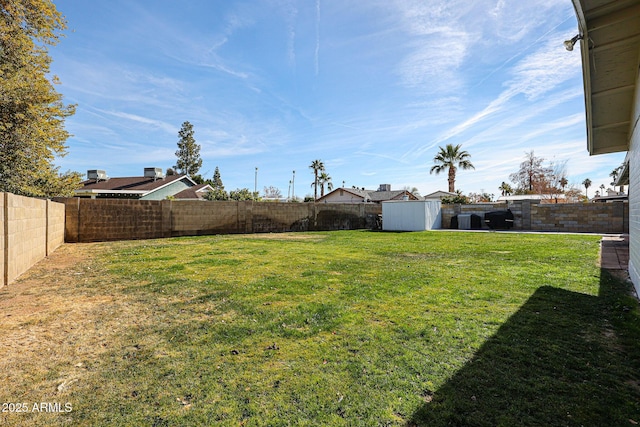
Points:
[(568, 44)]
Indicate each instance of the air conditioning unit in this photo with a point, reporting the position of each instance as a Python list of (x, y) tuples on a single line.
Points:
[(97, 174), (155, 173)]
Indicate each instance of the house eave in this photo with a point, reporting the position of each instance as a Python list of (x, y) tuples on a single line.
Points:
[(610, 48), (85, 193)]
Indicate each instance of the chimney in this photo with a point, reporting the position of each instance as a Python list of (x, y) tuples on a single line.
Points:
[(155, 173), (97, 174)]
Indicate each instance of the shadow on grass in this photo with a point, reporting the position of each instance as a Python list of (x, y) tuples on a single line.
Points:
[(563, 359)]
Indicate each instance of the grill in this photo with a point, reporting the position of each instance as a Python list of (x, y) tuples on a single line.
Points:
[(499, 220), (474, 222)]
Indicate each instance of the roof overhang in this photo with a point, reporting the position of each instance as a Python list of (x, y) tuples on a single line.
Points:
[(134, 193), (610, 48), (623, 176)]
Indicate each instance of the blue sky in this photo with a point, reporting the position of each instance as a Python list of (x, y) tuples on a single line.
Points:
[(372, 88)]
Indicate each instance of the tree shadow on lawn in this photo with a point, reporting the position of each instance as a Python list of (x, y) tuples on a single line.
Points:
[(563, 359)]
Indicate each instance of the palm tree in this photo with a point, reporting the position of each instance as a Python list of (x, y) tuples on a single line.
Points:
[(505, 189), (615, 174), (587, 184), (317, 167), (323, 179), (451, 158), (563, 183)]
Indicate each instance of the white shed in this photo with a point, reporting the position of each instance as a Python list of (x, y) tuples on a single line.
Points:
[(411, 215)]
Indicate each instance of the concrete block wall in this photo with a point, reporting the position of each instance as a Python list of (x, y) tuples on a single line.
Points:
[(534, 216), (189, 218), (31, 229), (89, 220), (55, 225), (280, 217), (581, 218), (344, 216), (26, 238), (448, 211)]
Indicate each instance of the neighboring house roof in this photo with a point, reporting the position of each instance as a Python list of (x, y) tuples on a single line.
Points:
[(610, 47), (612, 196), (381, 196), (362, 195), (623, 177), (541, 197), (359, 192), (197, 192), (439, 195), (130, 187)]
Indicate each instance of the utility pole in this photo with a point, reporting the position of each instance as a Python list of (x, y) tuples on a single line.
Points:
[(255, 185), (293, 186)]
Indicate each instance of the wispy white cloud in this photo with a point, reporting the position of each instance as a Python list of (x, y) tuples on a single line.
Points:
[(554, 126), (439, 45), (291, 33), (433, 64), (544, 70), (217, 65), (145, 121), (511, 21), (534, 76), (381, 156)]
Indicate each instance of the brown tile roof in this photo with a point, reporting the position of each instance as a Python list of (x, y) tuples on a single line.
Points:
[(195, 192), (134, 183), (374, 195), (381, 196)]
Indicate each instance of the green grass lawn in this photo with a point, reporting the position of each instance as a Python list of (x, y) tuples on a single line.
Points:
[(361, 328)]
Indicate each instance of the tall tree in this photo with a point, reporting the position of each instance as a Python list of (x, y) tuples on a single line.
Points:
[(450, 159), (563, 183), (324, 179), (32, 112), (188, 154), (505, 189), (241, 194), (587, 184), (317, 166), (218, 193), (533, 176), (217, 180), (615, 174), (412, 190), (272, 192)]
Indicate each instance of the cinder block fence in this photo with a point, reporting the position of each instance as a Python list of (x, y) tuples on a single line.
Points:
[(563, 217), (31, 230), (91, 220)]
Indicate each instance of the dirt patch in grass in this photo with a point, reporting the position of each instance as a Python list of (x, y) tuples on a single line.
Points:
[(287, 236), (57, 320)]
